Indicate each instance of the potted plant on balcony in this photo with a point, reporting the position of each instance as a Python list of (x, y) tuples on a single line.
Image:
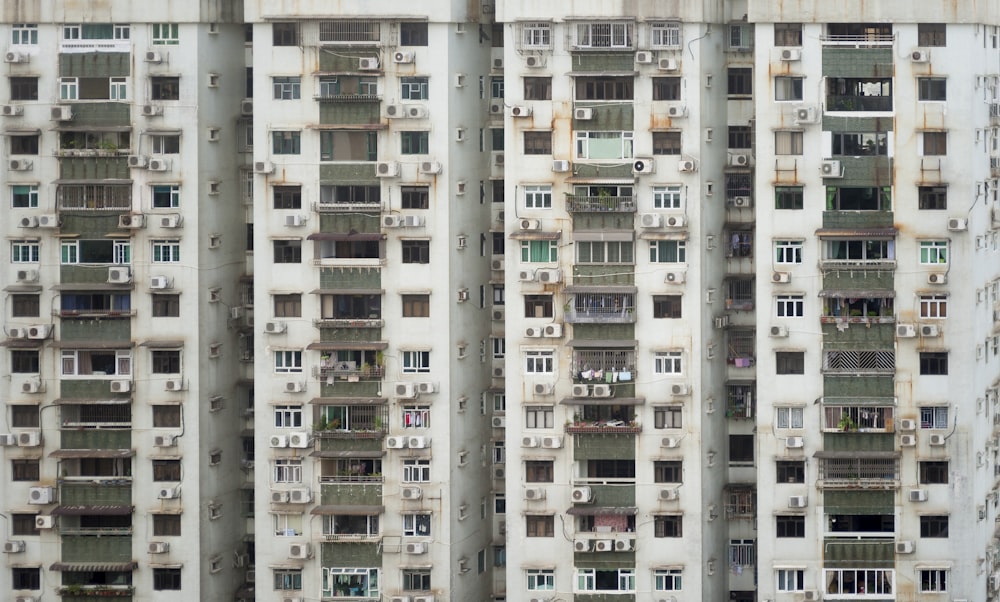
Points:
[(847, 423)]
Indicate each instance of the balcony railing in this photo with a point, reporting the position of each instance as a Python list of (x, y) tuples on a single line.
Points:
[(852, 361), (350, 478), (874, 473), (857, 419), (81, 46), (604, 426), (602, 308), (348, 323), (741, 503), (348, 98), (858, 41), (333, 368), (94, 197), (347, 207), (858, 103), (591, 204)]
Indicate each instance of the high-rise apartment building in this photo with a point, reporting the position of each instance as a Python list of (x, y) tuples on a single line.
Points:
[(671, 301)]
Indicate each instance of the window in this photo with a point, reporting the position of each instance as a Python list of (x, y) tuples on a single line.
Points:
[(539, 251), (538, 143), (286, 416), (604, 35), (23, 524), (787, 88), (166, 525), (416, 362), (166, 196), (540, 526), (668, 525), (288, 362), (932, 88), (934, 417), (415, 417), (24, 88), (287, 470), (538, 471), (24, 416), (741, 449), (539, 362), (168, 144), (166, 306), (413, 34), (667, 306), (26, 578), (667, 471), (349, 145), (416, 306), (667, 197), (536, 35), (666, 143), (932, 34), (787, 34), (287, 88), (288, 306), (166, 416), (787, 251), (855, 144), (94, 363), (496, 87), (668, 362), (788, 418), (166, 470), (496, 142), (365, 525), (740, 81), (413, 88), (287, 579), (286, 142), (416, 251), (165, 361), (934, 306), (166, 251), (23, 34), (740, 136), (285, 34), (934, 363), (165, 88), (932, 197), (538, 196), (665, 35), (417, 525), (416, 471), (25, 306), (96, 251), (69, 88), (537, 88), (789, 362), (934, 526), (933, 252), (788, 143), (668, 417), (537, 417), (415, 197), (609, 252), (24, 196), (414, 143), (24, 251), (165, 34), (790, 580), (604, 88), (789, 306), (933, 472), (24, 145), (667, 251), (24, 361), (933, 580), (287, 525), (538, 306), (540, 579), (25, 470), (288, 251), (603, 145), (935, 143), (605, 580)]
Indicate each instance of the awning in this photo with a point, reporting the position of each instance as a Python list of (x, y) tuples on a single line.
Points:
[(93, 128), (602, 510), (873, 232), (348, 236), (602, 74), (92, 286), (21, 343), (621, 289), (97, 401), (348, 454), (348, 345), (601, 343), (86, 567), (874, 455), (347, 291), (23, 288), (21, 131), (850, 294), (603, 401), (102, 181), (536, 235), (348, 510), (92, 510), (350, 127), (859, 401), (86, 344), (602, 235), (162, 343), (678, 235), (348, 401), (600, 180), (161, 132), (92, 453)]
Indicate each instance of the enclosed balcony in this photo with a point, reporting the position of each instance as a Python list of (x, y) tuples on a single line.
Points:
[(350, 310), (347, 89), (858, 415), (351, 421), (601, 198), (741, 502), (603, 365), (741, 400), (858, 470), (860, 307), (859, 362), (741, 347), (94, 197), (600, 305), (740, 294), (350, 364), (859, 94), (349, 197), (349, 248), (93, 304), (351, 470), (874, 251), (591, 416)]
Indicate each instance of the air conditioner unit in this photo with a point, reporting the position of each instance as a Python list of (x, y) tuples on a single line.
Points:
[(49, 220), (11, 110), (19, 165), (402, 57), (263, 167), (601, 391), (169, 493), (279, 497), (274, 327), (906, 331), (158, 165), (496, 108), (674, 278), (958, 224), (582, 495), (560, 166), (28, 222), (548, 276), (498, 158), (8, 440), (791, 54), (534, 62), (121, 386), (13, 547), (794, 442), (917, 495), (675, 221), (430, 168), (520, 111), (529, 441), (41, 495), (937, 278), (832, 169), (581, 391), (131, 221), (499, 422), (418, 442), (159, 283), (544, 388), (278, 441), (45, 522), (798, 501), (25, 599), (295, 221), (929, 330), (426, 387), (27, 275), (497, 265), (554, 442), (151, 110), (300, 550), (650, 220), (677, 111), (415, 548), (907, 440), (298, 440), (395, 442), (32, 386), (405, 390), (498, 314), (17, 333), (246, 106), (411, 493), (779, 331), (387, 169), (904, 547), (400, 599), (498, 63), (667, 65), (643, 165), (411, 221), (781, 277), (920, 56), (164, 440), (158, 547), (687, 166), (170, 221), (153, 57), (368, 63), (806, 115), (174, 384), (392, 221), (741, 202), (62, 113), (29, 439), (16, 57), (498, 372), (300, 496), (294, 386), (604, 545), (40, 331), (670, 442), (499, 472), (424, 598), (552, 330), (581, 545), (530, 224), (937, 440), (907, 424), (644, 57), (416, 112), (667, 495), (680, 390), (584, 114), (739, 159), (624, 545)]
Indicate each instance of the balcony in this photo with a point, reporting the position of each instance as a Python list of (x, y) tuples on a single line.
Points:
[(862, 308), (858, 470), (859, 362), (96, 591), (94, 197), (603, 366), (601, 308), (600, 204), (348, 323), (741, 502), (354, 370), (857, 418), (351, 470), (352, 422)]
